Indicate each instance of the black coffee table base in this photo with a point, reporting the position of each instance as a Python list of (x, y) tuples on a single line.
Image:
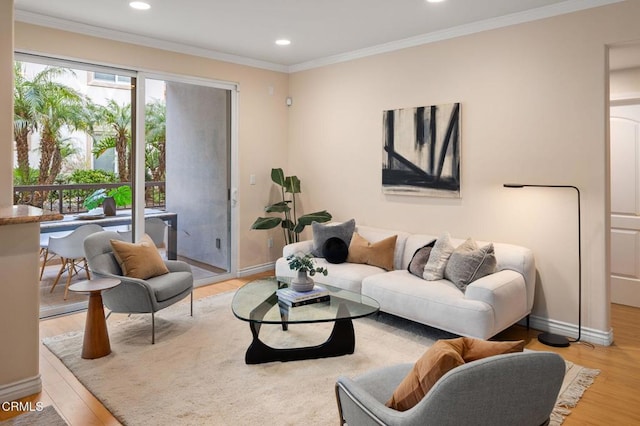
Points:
[(342, 341)]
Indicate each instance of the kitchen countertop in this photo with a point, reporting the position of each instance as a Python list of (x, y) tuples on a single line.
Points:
[(15, 215)]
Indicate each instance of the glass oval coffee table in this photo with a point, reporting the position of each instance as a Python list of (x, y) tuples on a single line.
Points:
[(257, 303)]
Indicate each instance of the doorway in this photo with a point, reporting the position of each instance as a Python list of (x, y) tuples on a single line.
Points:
[(624, 77)]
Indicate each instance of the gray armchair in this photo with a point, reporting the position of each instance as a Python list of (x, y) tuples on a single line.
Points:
[(513, 389), (135, 296)]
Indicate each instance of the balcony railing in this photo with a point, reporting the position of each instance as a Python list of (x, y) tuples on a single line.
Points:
[(69, 198)]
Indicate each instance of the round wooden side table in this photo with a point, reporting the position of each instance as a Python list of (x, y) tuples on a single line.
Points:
[(96, 337)]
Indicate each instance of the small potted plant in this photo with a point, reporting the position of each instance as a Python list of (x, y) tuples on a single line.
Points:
[(304, 264), (109, 199)]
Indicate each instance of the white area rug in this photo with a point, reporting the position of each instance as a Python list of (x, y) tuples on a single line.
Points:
[(195, 373)]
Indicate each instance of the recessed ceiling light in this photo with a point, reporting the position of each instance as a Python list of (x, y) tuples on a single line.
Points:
[(283, 42), (434, 1), (140, 5)]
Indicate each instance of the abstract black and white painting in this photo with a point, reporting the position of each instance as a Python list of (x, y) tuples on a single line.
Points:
[(421, 151)]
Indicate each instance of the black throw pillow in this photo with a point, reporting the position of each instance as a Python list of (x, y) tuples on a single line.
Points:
[(335, 250)]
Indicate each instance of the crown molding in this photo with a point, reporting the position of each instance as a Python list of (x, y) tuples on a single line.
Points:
[(90, 30), (562, 8), (565, 7)]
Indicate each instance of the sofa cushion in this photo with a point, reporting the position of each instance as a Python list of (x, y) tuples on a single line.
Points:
[(322, 232), (468, 262), (139, 260), (440, 358), (442, 249), (335, 250), (419, 259), (378, 254)]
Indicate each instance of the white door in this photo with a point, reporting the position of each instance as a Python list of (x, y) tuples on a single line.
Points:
[(625, 205)]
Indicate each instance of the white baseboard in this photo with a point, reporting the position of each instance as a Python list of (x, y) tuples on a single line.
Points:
[(20, 389), (598, 337), (257, 269)]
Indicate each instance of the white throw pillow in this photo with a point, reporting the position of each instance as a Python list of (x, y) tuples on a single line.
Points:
[(434, 269)]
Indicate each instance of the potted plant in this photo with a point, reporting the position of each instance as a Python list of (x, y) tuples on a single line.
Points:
[(291, 225), (109, 199), (305, 266)]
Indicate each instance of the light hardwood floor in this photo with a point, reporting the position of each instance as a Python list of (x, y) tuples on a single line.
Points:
[(612, 400)]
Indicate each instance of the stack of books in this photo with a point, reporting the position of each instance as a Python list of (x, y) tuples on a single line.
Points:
[(291, 298)]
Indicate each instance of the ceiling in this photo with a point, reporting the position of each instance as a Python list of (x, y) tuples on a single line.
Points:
[(321, 31)]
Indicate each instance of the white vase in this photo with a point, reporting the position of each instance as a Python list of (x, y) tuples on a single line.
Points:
[(302, 282)]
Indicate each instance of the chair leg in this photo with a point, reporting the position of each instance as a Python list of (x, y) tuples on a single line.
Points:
[(62, 268), (86, 268), (43, 252), (153, 328), (71, 270), (192, 303)]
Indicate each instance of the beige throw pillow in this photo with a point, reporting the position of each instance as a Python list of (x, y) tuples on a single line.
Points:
[(378, 254), (443, 356), (434, 269), (139, 260)]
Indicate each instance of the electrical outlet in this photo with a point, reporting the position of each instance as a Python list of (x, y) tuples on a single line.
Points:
[(270, 242)]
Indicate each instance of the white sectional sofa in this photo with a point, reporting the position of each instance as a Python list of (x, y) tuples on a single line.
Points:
[(489, 304)]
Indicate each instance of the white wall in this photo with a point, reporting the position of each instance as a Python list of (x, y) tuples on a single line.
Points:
[(533, 104)]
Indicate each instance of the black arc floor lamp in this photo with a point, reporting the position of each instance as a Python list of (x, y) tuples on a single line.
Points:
[(551, 339)]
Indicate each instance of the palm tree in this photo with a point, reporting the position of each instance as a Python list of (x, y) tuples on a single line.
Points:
[(155, 136), (61, 108), (28, 102), (117, 119)]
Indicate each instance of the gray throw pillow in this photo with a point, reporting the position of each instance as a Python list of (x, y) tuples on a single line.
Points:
[(322, 232), (419, 259), (467, 263), (434, 269)]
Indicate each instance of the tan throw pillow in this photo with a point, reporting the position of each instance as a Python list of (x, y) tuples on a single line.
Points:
[(440, 358), (378, 254), (433, 364), (475, 349), (139, 260)]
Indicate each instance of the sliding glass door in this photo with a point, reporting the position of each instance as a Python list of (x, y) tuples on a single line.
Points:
[(73, 137), (196, 153), (169, 139)]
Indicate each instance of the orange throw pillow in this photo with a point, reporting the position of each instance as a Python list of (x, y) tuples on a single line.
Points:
[(443, 356), (139, 260), (378, 254)]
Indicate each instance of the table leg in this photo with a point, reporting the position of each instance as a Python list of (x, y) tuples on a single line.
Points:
[(342, 341), (96, 337), (172, 238)]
